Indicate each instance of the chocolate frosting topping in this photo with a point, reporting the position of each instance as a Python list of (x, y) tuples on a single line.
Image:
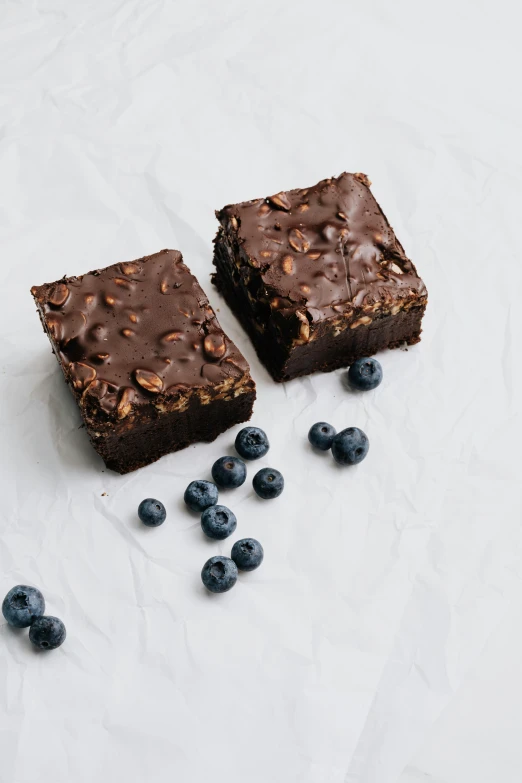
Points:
[(137, 331), (327, 249)]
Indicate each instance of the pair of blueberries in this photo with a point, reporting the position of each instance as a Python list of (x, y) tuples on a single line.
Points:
[(219, 574), (252, 443), (351, 445), (216, 521), (24, 607)]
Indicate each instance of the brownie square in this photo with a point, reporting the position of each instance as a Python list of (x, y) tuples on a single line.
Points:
[(145, 357), (317, 277)]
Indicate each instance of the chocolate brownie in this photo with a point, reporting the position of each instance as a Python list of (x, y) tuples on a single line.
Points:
[(146, 359), (317, 277)]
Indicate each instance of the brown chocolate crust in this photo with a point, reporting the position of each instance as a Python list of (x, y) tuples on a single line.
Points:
[(311, 261), (137, 341)]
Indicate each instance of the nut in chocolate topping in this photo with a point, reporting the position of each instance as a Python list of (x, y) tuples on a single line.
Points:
[(214, 346), (363, 321), (280, 201), (123, 282), (55, 326), (82, 375), (279, 303), (298, 241), (98, 388), (149, 381), (304, 326), (287, 265), (58, 295), (363, 178), (130, 268), (172, 337), (124, 405)]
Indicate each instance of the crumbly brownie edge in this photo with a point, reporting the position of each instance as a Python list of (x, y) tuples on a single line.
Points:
[(271, 351)]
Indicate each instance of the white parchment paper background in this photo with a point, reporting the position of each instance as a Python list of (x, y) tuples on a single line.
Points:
[(123, 125)]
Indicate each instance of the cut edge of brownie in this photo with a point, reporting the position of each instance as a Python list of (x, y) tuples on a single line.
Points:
[(173, 431), (136, 433), (288, 340), (327, 352)]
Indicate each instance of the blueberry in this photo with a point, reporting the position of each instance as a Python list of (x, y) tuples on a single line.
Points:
[(247, 554), (219, 574), (47, 633), (365, 374), (199, 495), (218, 522), (251, 443), (321, 435), (151, 512), (229, 472), (22, 605), (350, 446), (268, 483)]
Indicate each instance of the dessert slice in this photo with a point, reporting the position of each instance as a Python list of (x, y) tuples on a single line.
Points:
[(317, 277), (146, 359)]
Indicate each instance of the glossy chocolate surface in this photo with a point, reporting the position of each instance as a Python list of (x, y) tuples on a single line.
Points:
[(137, 332), (327, 249)]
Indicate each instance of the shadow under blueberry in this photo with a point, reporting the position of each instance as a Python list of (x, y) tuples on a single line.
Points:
[(5, 628), (318, 452), (40, 650), (347, 386), (193, 518), (208, 540)]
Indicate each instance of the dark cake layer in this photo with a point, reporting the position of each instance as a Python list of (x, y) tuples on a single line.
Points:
[(172, 432), (317, 277), (146, 359)]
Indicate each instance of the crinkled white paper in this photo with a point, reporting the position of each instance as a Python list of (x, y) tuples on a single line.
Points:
[(123, 126)]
